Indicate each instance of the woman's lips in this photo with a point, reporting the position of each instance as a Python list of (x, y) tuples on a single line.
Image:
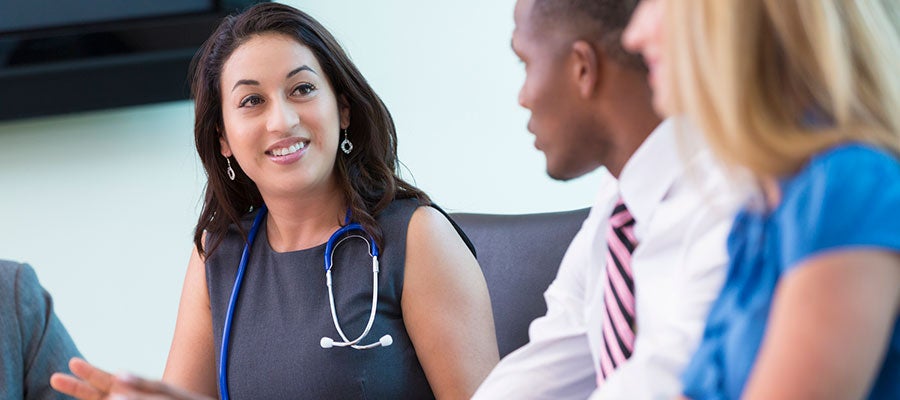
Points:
[(287, 151)]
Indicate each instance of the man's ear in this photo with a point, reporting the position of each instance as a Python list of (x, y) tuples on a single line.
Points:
[(344, 109), (586, 68), (223, 144)]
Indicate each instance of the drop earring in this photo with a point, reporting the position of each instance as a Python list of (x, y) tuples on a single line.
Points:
[(346, 146), (229, 171)]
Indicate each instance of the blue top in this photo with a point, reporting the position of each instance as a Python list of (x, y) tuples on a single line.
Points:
[(846, 197)]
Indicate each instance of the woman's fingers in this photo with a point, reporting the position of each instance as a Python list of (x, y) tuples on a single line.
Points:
[(72, 386), (92, 383), (99, 379), (89, 382)]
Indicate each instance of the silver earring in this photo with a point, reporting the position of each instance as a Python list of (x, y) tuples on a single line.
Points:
[(346, 146), (229, 170)]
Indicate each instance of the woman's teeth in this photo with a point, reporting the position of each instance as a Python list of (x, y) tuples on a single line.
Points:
[(289, 150)]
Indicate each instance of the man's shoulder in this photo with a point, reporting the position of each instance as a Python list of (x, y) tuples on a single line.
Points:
[(18, 284), (9, 275)]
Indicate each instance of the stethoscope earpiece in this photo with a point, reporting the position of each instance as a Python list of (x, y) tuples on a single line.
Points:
[(383, 341)]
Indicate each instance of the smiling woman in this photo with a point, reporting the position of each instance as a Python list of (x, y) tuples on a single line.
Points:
[(271, 84), (301, 160)]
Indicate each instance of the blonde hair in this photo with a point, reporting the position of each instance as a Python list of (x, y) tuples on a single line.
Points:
[(772, 82)]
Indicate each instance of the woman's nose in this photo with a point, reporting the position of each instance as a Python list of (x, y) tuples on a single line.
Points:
[(282, 117)]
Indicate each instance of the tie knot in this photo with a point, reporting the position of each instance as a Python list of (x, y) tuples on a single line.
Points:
[(620, 217)]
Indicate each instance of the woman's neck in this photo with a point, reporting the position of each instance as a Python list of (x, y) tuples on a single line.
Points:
[(303, 221)]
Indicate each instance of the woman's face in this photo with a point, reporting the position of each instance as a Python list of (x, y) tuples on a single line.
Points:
[(644, 35), (281, 117)]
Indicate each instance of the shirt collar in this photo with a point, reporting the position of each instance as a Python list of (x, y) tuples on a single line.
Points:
[(653, 168)]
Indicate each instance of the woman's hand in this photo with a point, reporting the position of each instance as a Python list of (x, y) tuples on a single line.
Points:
[(88, 382), (92, 383)]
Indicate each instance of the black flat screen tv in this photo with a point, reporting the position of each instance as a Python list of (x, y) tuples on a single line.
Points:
[(64, 56)]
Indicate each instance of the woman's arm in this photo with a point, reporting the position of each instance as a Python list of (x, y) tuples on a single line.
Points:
[(829, 327), (446, 308), (191, 363)]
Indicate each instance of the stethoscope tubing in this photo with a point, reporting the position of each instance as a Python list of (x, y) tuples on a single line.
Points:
[(329, 255), (238, 280), (334, 317)]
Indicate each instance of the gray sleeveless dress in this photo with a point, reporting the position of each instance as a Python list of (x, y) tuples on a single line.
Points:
[(282, 313)]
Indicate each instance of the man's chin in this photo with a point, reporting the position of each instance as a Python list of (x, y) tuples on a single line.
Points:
[(564, 173), (561, 176)]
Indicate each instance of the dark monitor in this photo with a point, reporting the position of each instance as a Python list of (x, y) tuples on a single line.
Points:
[(62, 56)]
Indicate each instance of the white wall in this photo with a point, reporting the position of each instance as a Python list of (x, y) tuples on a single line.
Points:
[(103, 204)]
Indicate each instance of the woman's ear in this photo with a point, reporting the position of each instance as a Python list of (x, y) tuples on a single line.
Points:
[(223, 144), (344, 109)]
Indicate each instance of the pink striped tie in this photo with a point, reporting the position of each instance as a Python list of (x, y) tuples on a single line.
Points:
[(618, 321)]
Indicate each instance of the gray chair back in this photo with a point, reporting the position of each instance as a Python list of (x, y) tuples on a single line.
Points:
[(519, 255)]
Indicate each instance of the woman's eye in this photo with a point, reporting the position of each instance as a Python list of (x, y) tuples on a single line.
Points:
[(250, 101), (304, 89)]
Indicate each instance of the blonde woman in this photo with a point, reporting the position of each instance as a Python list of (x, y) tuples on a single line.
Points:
[(806, 96)]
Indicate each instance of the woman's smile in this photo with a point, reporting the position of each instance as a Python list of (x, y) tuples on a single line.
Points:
[(287, 151)]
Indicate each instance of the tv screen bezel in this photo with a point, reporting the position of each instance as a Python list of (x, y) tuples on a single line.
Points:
[(112, 64)]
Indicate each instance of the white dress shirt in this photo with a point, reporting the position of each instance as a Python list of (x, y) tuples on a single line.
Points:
[(683, 206)]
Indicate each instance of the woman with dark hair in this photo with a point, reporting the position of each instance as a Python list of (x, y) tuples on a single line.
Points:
[(301, 156)]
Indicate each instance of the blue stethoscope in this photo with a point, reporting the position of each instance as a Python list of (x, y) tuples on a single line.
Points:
[(333, 242)]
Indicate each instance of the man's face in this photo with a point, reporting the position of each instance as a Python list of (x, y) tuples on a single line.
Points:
[(564, 132)]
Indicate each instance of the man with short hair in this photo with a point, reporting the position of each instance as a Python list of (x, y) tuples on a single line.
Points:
[(629, 302), (33, 343)]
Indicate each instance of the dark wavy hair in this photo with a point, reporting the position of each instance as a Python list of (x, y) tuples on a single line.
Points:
[(367, 177)]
